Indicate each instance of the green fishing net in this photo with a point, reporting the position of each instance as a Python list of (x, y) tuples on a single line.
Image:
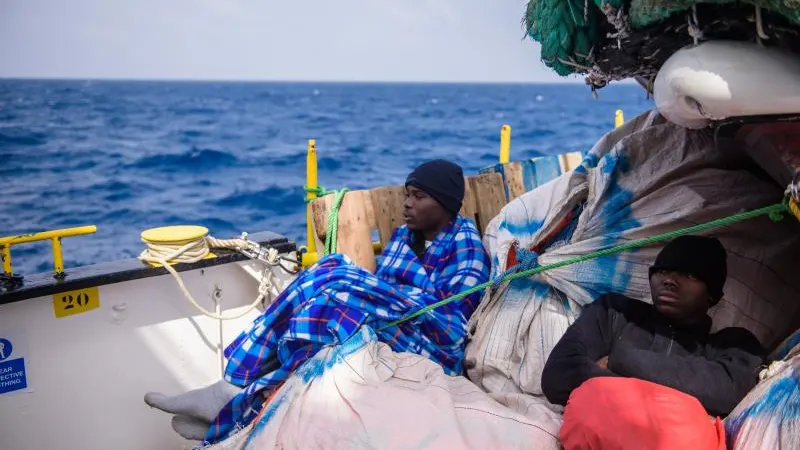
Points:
[(648, 12), (616, 39)]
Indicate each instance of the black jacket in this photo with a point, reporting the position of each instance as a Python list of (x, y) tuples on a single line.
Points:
[(718, 369)]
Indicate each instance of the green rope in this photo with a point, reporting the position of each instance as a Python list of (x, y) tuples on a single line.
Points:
[(775, 212), (333, 222), (333, 215), (319, 190)]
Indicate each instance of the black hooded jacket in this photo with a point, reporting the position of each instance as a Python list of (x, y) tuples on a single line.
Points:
[(718, 369)]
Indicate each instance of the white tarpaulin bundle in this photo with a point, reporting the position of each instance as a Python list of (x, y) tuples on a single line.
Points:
[(362, 395), (769, 416), (644, 178)]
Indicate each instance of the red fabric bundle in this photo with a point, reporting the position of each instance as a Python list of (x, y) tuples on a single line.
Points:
[(610, 413)]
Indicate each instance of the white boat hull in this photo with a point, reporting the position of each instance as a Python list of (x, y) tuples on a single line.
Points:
[(87, 373)]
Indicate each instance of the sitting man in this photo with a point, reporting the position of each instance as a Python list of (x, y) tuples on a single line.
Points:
[(667, 343), (437, 254)]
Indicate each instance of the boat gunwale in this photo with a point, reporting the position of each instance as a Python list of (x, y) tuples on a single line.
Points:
[(112, 272)]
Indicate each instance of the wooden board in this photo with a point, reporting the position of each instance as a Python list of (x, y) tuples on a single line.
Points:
[(468, 206), (540, 170), (319, 215), (387, 203), (515, 183), (489, 193), (354, 237), (354, 233), (569, 161)]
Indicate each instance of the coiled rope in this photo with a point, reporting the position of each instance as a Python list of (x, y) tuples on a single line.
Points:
[(164, 253), (775, 212)]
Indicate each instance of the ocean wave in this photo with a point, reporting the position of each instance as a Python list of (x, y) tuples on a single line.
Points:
[(194, 159), (30, 139), (272, 197)]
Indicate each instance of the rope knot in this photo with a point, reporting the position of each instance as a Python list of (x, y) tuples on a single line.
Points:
[(319, 190), (526, 260)]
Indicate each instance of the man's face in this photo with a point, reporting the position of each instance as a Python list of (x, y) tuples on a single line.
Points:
[(679, 296), (422, 212)]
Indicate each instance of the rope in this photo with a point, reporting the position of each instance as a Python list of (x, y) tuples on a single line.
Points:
[(319, 190), (333, 222), (331, 236), (775, 212), (196, 250)]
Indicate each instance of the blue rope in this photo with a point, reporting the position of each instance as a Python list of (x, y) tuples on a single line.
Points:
[(526, 260)]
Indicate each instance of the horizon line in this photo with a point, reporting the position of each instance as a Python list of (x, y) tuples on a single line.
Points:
[(565, 80)]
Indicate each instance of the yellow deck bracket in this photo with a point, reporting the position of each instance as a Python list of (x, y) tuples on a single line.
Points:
[(619, 118), (312, 183), (54, 236), (505, 144)]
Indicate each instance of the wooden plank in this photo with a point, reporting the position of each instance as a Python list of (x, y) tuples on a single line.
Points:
[(469, 206), (354, 237), (512, 177), (356, 219), (538, 171), (569, 161), (387, 205), (489, 193), (515, 184), (321, 207), (319, 216)]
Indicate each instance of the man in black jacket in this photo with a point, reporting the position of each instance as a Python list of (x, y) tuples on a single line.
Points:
[(667, 343)]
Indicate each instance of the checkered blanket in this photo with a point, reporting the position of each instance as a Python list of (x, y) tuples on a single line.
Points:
[(327, 304)]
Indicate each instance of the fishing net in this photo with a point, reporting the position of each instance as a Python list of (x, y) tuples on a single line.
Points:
[(617, 39)]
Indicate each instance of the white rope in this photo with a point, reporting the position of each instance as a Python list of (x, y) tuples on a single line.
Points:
[(197, 250), (760, 26)]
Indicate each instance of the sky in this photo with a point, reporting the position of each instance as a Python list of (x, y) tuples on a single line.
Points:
[(288, 40)]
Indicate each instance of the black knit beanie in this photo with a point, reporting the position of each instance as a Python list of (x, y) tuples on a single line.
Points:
[(442, 180), (703, 257)]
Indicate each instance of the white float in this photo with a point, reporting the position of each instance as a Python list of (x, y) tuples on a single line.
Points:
[(721, 79)]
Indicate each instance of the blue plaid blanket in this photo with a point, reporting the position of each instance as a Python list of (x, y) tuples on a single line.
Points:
[(327, 304)]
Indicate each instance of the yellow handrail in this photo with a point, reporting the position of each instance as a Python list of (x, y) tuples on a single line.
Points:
[(505, 144), (55, 238)]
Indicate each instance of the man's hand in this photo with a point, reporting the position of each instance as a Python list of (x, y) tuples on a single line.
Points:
[(603, 362)]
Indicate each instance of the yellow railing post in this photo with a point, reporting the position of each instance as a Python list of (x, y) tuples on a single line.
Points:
[(54, 236), (505, 144), (312, 184), (5, 254), (58, 255), (619, 118)]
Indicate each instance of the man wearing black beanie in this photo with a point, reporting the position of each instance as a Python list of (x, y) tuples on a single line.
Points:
[(434, 194), (669, 342)]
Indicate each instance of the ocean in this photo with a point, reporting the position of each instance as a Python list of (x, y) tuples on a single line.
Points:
[(131, 155)]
